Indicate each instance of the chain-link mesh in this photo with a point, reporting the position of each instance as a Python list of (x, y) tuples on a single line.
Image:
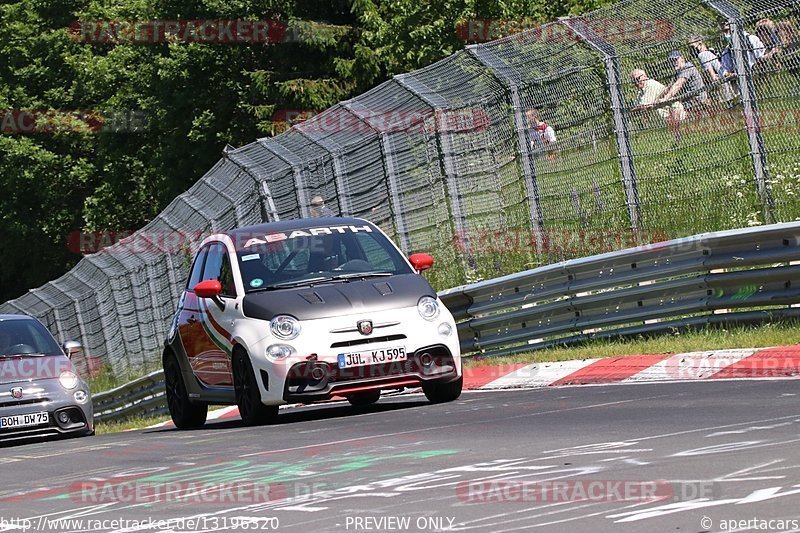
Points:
[(562, 141)]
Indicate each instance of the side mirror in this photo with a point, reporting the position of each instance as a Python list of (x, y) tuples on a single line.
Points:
[(421, 261), (71, 348), (210, 288)]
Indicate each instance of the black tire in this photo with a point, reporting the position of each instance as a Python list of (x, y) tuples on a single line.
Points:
[(362, 399), (185, 414), (248, 397), (443, 392)]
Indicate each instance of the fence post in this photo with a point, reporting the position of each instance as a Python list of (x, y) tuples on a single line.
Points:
[(752, 119), (444, 145), (511, 79), (338, 169), (296, 163), (246, 164), (621, 126), (390, 169)]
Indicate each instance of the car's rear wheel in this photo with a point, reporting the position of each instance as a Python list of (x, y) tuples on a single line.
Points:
[(362, 399), (248, 396), (443, 392), (185, 414)]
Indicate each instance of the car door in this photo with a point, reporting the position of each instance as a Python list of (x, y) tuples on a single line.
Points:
[(207, 341)]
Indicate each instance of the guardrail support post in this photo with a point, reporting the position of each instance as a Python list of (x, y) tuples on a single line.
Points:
[(752, 119), (621, 126), (512, 81)]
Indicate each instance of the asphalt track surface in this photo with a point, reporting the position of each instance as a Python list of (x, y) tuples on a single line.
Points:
[(723, 455)]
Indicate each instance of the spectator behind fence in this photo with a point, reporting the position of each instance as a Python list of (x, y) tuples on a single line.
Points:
[(649, 93), (710, 65), (789, 36), (753, 46), (688, 84), (767, 32), (542, 134), (318, 208)]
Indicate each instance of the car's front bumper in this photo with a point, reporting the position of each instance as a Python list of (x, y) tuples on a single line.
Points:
[(303, 384), (47, 395)]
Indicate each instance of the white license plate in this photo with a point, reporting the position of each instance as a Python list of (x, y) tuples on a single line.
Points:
[(372, 357), (21, 421)]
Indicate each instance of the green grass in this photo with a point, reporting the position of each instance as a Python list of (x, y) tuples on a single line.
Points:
[(709, 338), (106, 380), (116, 426)]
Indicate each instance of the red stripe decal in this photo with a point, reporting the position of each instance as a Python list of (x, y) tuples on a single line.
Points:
[(222, 331), (611, 370), (778, 362)]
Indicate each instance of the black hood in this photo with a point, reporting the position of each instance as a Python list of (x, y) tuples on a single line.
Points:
[(333, 299)]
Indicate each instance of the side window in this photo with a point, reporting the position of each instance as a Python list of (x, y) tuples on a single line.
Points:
[(197, 268), (218, 267)]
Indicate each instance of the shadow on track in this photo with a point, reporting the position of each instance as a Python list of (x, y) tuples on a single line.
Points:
[(306, 414)]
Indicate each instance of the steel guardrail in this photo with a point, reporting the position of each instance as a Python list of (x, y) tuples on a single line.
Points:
[(703, 279), (145, 396)]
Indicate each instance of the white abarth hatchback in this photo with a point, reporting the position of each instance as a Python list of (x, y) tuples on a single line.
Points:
[(305, 311)]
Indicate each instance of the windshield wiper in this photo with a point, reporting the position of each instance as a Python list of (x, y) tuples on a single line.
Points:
[(373, 274), (292, 283), (23, 355)]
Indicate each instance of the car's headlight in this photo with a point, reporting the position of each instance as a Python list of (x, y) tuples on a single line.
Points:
[(285, 327), (276, 352), (428, 308), (68, 379)]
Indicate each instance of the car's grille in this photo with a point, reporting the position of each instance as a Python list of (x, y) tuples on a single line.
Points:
[(16, 403), (368, 340)]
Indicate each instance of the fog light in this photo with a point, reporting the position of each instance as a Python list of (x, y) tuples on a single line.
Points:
[(277, 352), (63, 417), (445, 329), (426, 360), (317, 373), (80, 396)]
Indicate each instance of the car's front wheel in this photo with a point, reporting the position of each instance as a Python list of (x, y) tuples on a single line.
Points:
[(362, 399), (248, 397), (443, 392), (185, 414)]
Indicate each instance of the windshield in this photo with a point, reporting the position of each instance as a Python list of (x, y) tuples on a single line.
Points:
[(23, 337), (317, 255)]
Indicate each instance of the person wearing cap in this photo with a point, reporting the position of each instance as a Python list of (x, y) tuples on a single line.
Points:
[(710, 64), (688, 84), (318, 208)]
